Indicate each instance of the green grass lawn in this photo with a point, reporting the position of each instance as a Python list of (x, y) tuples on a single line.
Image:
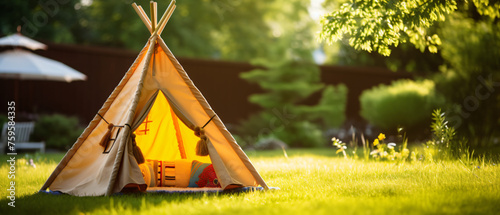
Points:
[(310, 181)]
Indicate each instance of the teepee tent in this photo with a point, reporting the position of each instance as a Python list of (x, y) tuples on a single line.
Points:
[(155, 107)]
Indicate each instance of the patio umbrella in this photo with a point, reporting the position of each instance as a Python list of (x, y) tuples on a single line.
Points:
[(24, 65), (20, 64), (19, 40)]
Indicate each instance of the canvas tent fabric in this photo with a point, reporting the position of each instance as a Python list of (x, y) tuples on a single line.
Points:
[(155, 89)]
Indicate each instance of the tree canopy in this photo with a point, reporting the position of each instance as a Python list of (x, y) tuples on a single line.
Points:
[(467, 35), (380, 25), (242, 30)]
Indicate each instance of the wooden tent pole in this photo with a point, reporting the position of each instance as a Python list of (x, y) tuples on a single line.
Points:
[(168, 18), (145, 20), (165, 16), (154, 16), (145, 16), (163, 21), (154, 23)]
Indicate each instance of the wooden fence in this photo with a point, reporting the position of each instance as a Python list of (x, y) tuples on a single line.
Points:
[(218, 81)]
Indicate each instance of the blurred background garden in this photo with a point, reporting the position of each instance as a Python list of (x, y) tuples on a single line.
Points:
[(351, 107), (281, 73)]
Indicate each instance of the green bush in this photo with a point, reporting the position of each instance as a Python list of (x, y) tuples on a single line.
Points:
[(3, 119), (58, 131), (334, 99), (249, 130), (284, 126), (404, 103), (300, 134), (330, 110)]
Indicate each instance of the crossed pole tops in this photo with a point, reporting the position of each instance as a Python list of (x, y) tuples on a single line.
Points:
[(154, 27)]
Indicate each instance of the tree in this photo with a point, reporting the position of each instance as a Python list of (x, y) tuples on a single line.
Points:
[(470, 76), (469, 37), (404, 57), (286, 84), (241, 30), (379, 25), (233, 30), (58, 21)]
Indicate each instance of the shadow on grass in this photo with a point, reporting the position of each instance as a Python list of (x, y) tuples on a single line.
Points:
[(327, 152), (43, 203)]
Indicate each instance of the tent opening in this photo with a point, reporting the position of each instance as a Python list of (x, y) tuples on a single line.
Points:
[(169, 147)]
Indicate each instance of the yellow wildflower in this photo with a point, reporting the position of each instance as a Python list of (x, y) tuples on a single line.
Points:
[(375, 142), (381, 136)]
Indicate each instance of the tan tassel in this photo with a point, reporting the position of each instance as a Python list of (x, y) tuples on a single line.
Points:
[(107, 135), (139, 157), (202, 147)]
